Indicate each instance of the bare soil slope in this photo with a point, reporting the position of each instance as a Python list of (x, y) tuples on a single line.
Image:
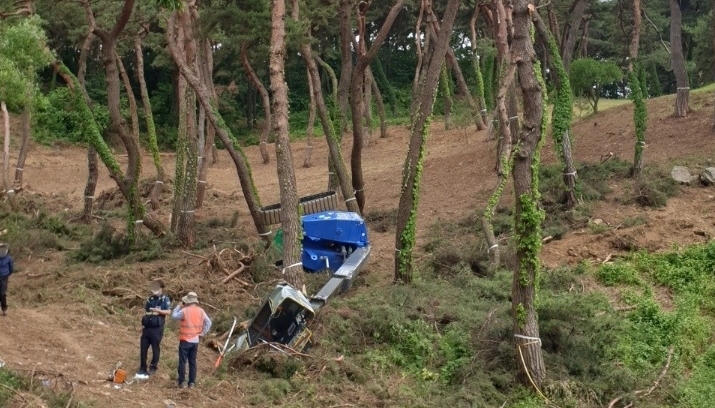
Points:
[(82, 343)]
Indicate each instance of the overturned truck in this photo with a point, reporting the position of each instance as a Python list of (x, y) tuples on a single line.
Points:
[(333, 241)]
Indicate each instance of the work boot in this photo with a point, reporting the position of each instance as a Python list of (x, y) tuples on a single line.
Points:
[(192, 385), (182, 385)]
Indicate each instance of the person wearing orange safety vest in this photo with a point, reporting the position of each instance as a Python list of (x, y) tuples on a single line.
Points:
[(194, 323)]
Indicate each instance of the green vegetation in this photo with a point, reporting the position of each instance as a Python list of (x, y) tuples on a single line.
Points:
[(588, 77), (460, 353)]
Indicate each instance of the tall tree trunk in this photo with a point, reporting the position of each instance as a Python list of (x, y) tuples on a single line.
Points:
[(421, 52), (26, 123), (337, 164), (185, 196), (383, 83), (334, 149), (479, 79), (412, 173), (678, 60), (508, 127), (209, 146), (346, 65), (571, 29), (308, 161), (331, 75), (356, 98), (133, 113), (248, 188), (379, 102), (155, 194), (446, 90), (265, 100), (333, 182), (367, 95), (129, 182), (290, 219), (527, 215), (181, 142), (92, 159), (712, 28), (562, 114), (462, 88), (7, 188), (640, 113), (91, 129), (367, 103)]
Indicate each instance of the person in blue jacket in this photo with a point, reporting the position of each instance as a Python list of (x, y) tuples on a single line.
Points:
[(6, 268)]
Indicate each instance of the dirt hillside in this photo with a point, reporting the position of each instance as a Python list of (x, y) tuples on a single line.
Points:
[(81, 342)]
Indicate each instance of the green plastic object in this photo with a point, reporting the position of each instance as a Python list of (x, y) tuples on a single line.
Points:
[(278, 240)]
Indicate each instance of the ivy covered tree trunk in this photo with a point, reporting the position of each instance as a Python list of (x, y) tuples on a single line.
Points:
[(265, 100), (406, 223), (92, 158), (678, 60), (155, 194), (337, 163), (248, 187), (290, 219), (357, 105), (94, 138), (117, 126), (462, 89), (640, 112), (527, 215), (91, 184), (506, 130), (308, 160), (446, 90), (335, 159), (333, 182), (562, 114)]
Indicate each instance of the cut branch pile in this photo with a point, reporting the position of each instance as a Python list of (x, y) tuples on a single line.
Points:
[(232, 262)]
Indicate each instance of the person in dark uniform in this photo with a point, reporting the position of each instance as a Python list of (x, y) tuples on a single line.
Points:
[(6, 269), (157, 307)]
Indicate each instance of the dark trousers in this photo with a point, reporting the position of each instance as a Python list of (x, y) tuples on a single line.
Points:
[(3, 292), (151, 337), (187, 353)]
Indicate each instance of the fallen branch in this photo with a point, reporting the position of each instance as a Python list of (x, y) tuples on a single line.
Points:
[(646, 392), (234, 273), (194, 255)]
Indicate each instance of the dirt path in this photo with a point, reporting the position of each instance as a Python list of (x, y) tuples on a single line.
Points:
[(83, 348)]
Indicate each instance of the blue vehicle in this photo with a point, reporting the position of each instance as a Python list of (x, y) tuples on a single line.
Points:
[(333, 241)]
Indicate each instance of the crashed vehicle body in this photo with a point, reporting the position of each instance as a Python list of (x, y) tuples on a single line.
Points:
[(333, 241)]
